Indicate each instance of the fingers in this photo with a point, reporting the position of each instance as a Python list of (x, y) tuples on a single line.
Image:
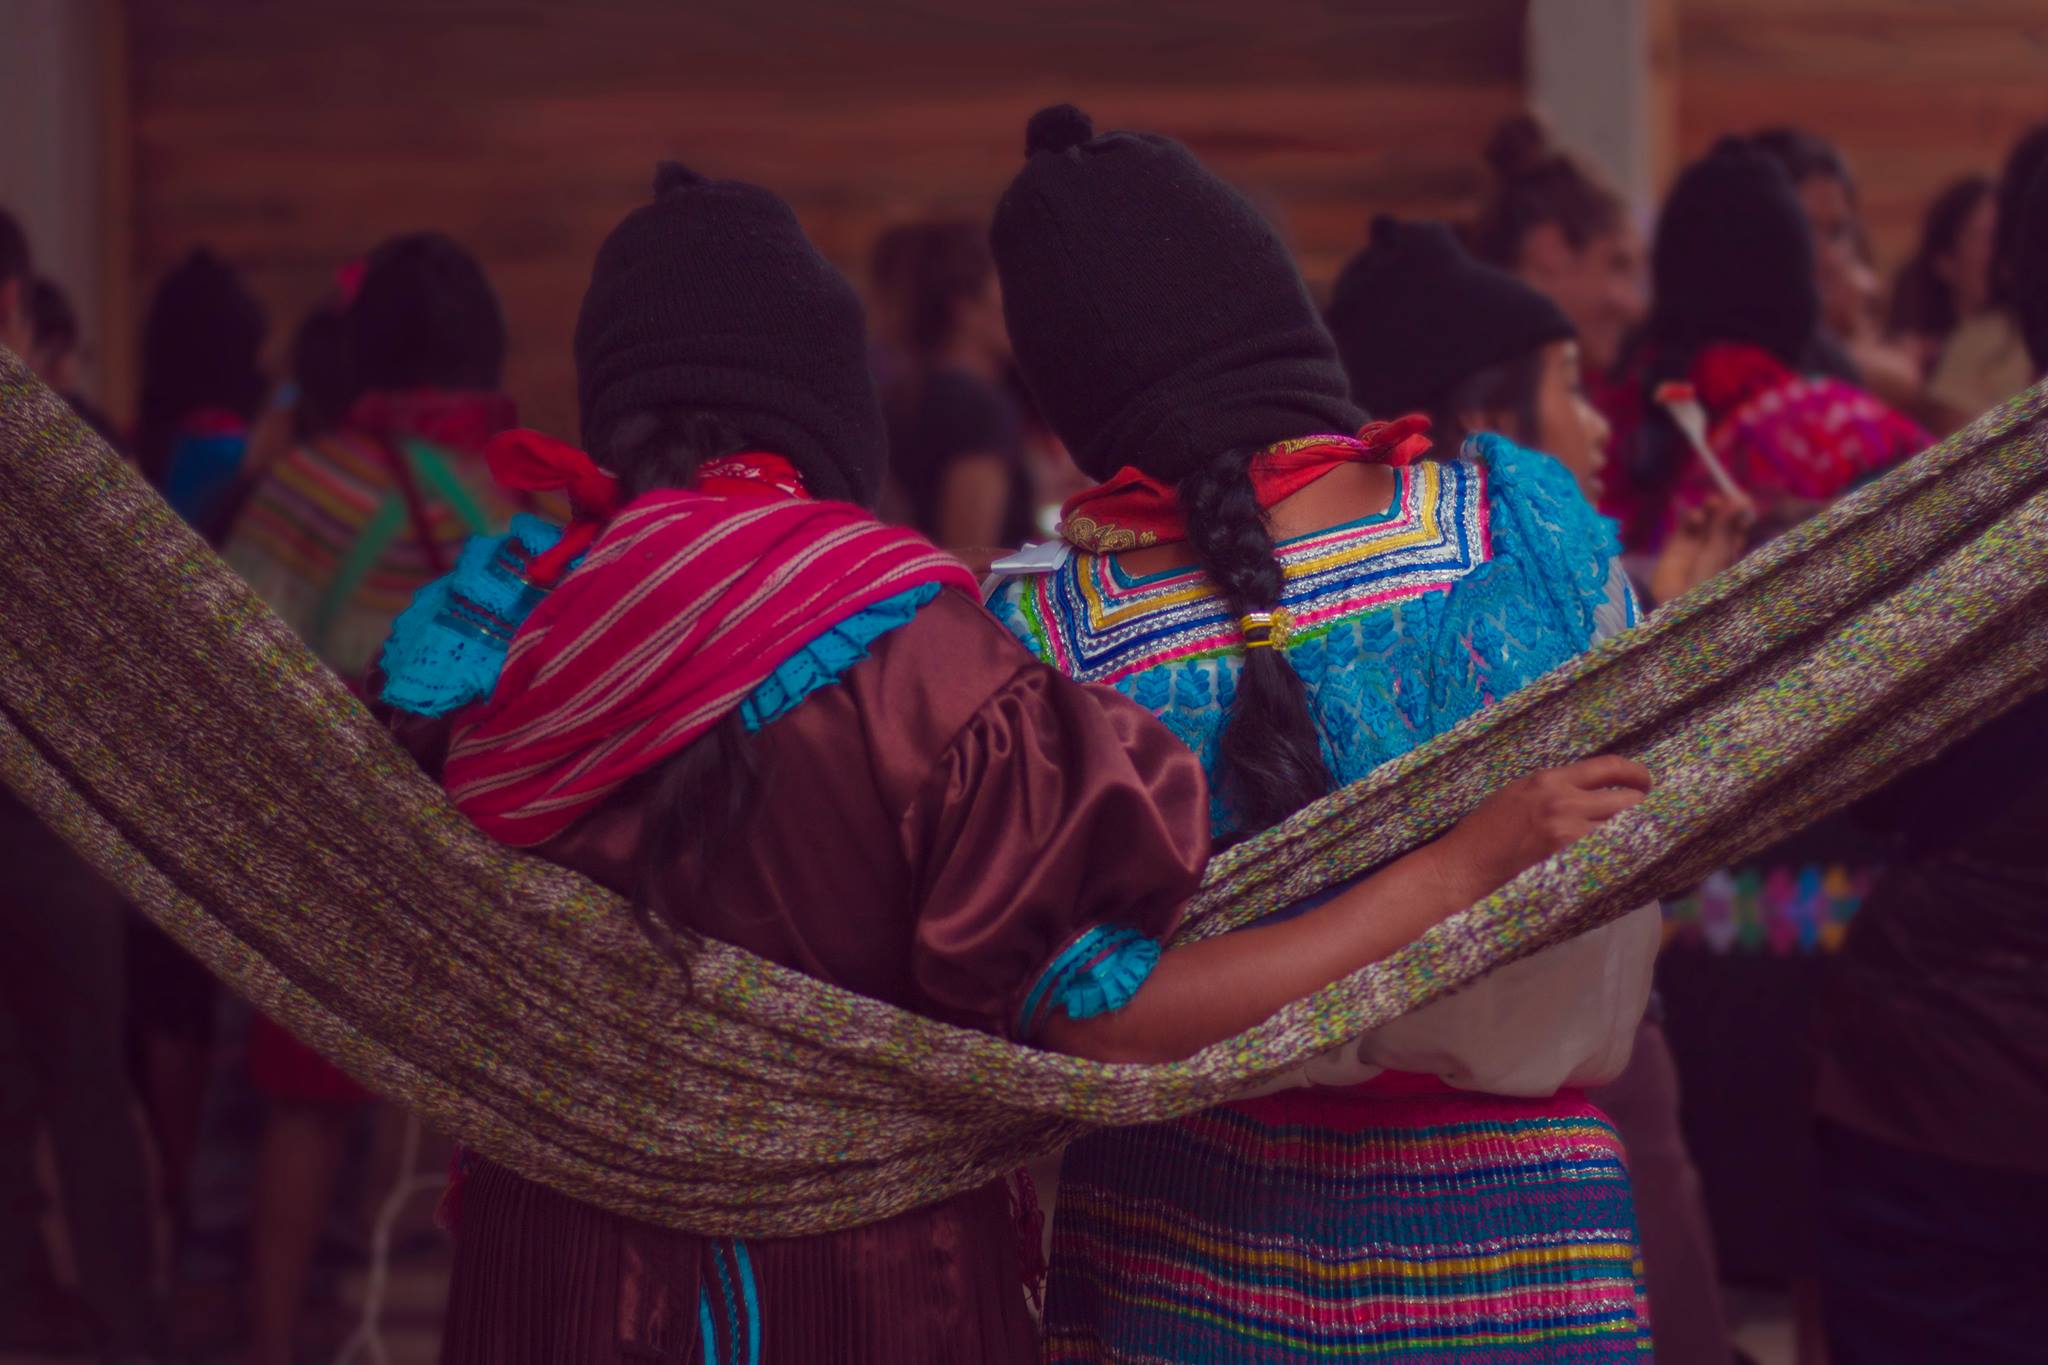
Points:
[(1608, 770), (1573, 820), (1601, 806)]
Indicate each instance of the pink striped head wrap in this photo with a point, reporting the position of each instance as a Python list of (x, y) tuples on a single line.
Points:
[(684, 605)]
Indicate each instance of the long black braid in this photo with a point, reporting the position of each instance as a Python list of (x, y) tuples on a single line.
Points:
[(1272, 759)]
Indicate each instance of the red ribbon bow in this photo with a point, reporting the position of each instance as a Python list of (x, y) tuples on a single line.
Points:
[(526, 461)]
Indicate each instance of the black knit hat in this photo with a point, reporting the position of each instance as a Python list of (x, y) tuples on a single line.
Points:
[(712, 299), (1734, 259), (201, 348), (426, 316), (1415, 316), (1156, 316)]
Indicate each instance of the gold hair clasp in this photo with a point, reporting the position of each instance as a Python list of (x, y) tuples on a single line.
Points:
[(1266, 629)]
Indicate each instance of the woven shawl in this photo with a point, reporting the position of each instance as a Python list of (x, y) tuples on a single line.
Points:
[(154, 712)]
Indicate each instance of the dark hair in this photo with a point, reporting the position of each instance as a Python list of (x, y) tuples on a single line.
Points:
[(1805, 156), (1922, 301), (426, 317), (55, 320), (950, 263), (1536, 183), (200, 348), (1510, 386), (696, 801), (890, 257), (2030, 271), (1272, 758), (2023, 165), (321, 370), (15, 263)]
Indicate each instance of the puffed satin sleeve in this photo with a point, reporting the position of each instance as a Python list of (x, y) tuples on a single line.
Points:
[(1054, 844)]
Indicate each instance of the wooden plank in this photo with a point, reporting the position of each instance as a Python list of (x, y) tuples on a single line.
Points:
[(291, 137), (1915, 94), (119, 318)]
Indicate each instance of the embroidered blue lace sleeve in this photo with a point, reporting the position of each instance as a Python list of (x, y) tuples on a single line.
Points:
[(447, 647), (1558, 544), (820, 663), (1097, 974), (1006, 604)]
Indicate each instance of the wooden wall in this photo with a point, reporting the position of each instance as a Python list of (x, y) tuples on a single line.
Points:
[(292, 136), (1916, 93)]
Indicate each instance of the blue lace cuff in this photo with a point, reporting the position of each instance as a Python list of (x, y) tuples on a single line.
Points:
[(447, 647), (820, 663), (1098, 973)]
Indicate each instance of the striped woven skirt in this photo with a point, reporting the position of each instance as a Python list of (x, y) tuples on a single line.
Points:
[(1397, 1221)]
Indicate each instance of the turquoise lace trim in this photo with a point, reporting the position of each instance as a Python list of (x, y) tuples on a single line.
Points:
[(1097, 974), (447, 648), (821, 663)]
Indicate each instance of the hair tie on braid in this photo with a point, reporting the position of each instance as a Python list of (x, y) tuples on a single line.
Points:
[(1272, 755), (1266, 629)]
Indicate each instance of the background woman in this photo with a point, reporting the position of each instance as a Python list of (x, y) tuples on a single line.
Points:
[(1933, 1038), (1737, 304), (957, 449), (201, 386), (1849, 344), (1566, 233), (1948, 279), (336, 535), (1986, 360)]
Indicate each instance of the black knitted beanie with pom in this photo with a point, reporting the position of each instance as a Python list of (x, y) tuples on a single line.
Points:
[(1155, 314), (711, 299)]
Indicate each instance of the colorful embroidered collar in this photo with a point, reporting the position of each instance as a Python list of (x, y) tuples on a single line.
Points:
[(1095, 622)]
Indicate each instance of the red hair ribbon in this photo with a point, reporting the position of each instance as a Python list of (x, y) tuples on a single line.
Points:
[(526, 461), (348, 280), (1402, 441)]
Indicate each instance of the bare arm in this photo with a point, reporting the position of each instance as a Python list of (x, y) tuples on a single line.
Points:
[(1212, 990)]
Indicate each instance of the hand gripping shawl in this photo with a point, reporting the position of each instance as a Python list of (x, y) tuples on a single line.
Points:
[(156, 714)]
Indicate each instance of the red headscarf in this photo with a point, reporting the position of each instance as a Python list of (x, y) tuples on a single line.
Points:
[(1132, 509), (1790, 437)]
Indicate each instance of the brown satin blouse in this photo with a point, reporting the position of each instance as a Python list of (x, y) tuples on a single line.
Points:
[(934, 827), (931, 830)]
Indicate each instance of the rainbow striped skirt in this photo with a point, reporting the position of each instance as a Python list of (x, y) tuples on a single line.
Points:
[(1396, 1221)]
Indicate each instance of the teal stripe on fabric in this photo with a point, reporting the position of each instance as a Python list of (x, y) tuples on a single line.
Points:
[(431, 465), (705, 1332), (825, 659), (1107, 985), (753, 1300), (1126, 958), (1079, 950), (732, 1336)]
